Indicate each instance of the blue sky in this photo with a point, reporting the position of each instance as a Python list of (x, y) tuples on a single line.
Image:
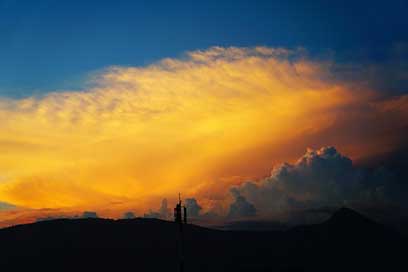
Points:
[(52, 44)]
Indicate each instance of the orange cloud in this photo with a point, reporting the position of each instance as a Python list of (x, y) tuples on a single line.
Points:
[(195, 124)]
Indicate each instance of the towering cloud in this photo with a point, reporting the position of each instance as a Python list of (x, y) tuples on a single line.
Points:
[(320, 178), (89, 214), (197, 124), (128, 215), (193, 209), (240, 208), (165, 212)]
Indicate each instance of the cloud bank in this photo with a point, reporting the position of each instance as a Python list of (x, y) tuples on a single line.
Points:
[(197, 124), (322, 178)]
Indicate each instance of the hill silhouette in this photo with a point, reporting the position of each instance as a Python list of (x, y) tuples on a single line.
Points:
[(347, 241)]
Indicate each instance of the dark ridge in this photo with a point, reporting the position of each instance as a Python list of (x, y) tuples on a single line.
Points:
[(253, 225), (347, 241)]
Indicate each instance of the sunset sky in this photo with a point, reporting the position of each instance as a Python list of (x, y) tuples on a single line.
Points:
[(251, 109)]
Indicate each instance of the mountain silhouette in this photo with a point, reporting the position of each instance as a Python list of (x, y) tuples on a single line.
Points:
[(347, 241)]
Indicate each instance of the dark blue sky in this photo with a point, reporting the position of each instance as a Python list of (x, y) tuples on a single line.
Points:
[(53, 44)]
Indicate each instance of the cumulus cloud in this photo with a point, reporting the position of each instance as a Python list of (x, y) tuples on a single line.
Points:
[(128, 215), (89, 214), (55, 217), (240, 207), (152, 214), (163, 213), (193, 209), (49, 218), (320, 178)]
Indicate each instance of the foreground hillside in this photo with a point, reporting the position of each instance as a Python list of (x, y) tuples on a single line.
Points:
[(346, 242)]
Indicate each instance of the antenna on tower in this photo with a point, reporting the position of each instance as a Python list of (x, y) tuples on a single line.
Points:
[(180, 217)]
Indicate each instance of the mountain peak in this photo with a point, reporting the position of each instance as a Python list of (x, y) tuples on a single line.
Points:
[(346, 216), (344, 211)]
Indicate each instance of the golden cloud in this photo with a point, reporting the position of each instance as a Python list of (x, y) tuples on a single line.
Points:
[(195, 124)]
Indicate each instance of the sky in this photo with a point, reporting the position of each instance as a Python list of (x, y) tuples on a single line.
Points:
[(250, 109), (48, 45)]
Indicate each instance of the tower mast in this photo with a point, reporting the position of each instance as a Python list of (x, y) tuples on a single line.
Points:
[(179, 211)]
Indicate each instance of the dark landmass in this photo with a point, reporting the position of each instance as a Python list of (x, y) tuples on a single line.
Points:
[(253, 225), (347, 241)]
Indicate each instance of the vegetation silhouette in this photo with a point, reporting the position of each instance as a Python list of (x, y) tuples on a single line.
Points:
[(347, 241)]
